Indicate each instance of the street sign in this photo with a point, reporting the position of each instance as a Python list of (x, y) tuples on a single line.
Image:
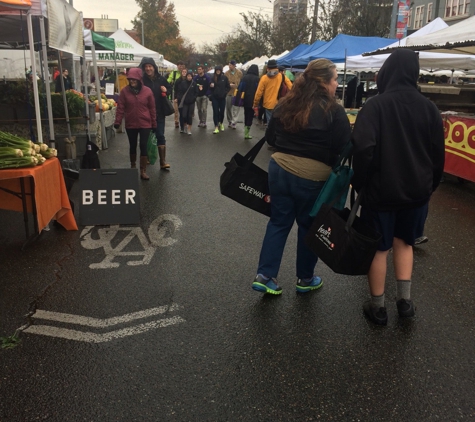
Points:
[(109, 197)]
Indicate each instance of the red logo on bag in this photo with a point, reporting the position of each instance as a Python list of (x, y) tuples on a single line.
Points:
[(267, 199)]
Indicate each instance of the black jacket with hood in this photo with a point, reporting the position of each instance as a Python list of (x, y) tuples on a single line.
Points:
[(398, 140), (184, 87), (221, 84), (248, 85), (154, 84)]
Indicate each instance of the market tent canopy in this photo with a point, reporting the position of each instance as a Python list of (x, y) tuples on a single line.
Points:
[(285, 60), (342, 46), (292, 61), (13, 26), (427, 60), (456, 39), (128, 52), (459, 38), (15, 4)]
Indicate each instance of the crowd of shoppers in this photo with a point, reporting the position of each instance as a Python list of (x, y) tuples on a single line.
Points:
[(307, 128)]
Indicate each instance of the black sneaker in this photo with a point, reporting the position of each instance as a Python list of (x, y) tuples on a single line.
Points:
[(377, 315), (405, 308), (421, 240)]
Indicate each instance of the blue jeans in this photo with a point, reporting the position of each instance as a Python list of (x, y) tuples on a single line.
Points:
[(160, 132), (219, 104), (292, 199), (268, 114)]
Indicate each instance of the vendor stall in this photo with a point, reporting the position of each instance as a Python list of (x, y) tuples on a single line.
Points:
[(39, 190), (459, 130)]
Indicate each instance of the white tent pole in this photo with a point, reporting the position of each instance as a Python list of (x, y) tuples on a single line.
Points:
[(344, 84), (47, 83), (99, 98), (33, 76)]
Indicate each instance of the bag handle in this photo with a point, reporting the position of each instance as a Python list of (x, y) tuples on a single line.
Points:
[(345, 156), (252, 154)]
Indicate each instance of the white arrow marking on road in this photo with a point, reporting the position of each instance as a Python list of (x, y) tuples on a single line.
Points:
[(102, 323), (89, 337)]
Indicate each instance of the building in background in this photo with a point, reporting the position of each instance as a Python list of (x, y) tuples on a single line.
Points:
[(102, 26), (283, 8), (422, 12)]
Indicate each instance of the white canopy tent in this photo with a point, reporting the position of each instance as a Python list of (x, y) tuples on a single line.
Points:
[(428, 60), (458, 38), (128, 53)]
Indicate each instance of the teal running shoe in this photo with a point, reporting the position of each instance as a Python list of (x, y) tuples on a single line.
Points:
[(270, 286), (304, 286)]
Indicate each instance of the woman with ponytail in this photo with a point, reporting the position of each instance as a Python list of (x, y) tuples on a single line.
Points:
[(308, 130)]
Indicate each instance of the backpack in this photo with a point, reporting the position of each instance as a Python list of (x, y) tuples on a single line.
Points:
[(283, 90)]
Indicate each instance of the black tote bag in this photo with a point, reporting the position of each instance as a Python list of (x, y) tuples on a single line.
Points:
[(246, 183), (342, 240)]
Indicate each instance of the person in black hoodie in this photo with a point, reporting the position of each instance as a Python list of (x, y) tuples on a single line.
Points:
[(160, 88), (186, 91), (398, 162), (219, 88), (248, 87)]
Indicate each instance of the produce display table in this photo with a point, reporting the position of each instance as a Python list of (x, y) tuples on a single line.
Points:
[(459, 131), (45, 187)]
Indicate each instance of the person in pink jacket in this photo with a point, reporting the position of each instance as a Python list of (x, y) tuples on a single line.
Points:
[(137, 105)]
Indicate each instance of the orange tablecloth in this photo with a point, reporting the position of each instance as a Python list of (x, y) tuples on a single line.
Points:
[(51, 196)]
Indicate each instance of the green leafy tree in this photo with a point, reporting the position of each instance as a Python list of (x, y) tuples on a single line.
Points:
[(293, 30), (366, 18), (161, 30)]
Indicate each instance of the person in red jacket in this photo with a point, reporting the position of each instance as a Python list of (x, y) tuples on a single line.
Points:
[(137, 105)]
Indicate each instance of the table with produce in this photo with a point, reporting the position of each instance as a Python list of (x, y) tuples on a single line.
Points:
[(31, 180)]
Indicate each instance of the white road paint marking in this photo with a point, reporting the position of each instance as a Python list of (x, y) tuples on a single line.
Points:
[(89, 337), (157, 233), (103, 323)]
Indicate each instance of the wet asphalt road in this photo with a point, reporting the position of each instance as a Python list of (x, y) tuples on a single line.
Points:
[(196, 343)]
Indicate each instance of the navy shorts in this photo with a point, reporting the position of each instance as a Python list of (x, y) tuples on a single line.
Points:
[(407, 224)]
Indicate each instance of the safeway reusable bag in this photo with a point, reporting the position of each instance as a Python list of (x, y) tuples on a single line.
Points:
[(246, 183)]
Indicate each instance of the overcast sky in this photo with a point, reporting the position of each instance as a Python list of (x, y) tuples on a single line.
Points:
[(200, 21)]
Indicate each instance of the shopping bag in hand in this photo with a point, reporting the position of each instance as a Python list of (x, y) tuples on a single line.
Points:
[(246, 183), (152, 149)]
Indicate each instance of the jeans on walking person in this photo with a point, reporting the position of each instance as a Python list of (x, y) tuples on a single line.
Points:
[(202, 106), (292, 200), (308, 131), (232, 112), (219, 105)]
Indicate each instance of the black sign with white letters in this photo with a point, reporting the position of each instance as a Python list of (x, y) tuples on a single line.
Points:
[(109, 197)]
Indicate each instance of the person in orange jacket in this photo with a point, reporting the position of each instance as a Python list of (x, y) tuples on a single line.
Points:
[(268, 88)]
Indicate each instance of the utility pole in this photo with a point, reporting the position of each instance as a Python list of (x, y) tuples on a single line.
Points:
[(394, 13), (143, 35), (314, 23)]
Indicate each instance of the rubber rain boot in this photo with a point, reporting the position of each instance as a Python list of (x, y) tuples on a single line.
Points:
[(133, 159), (162, 154), (143, 167), (247, 129)]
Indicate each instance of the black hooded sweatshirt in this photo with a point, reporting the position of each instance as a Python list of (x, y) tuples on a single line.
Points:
[(154, 84), (248, 85), (398, 140)]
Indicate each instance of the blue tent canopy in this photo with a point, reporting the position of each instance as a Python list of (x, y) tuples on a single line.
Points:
[(334, 50), (302, 49)]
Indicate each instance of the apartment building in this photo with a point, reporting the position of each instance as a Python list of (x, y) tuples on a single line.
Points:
[(287, 8), (451, 11)]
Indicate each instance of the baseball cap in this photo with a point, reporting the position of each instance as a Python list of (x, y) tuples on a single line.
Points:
[(233, 62)]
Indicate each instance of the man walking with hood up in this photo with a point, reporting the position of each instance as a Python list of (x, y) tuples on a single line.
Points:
[(398, 159), (160, 88)]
